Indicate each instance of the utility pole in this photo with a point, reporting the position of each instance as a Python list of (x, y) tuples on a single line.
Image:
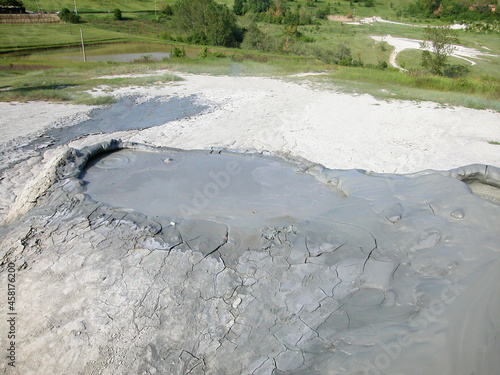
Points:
[(83, 46), (76, 10), (155, 8)]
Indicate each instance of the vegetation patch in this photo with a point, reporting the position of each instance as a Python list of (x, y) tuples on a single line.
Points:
[(267, 37)]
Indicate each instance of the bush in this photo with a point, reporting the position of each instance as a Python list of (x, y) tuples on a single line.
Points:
[(292, 19), (323, 12), (205, 53), (68, 16), (165, 36), (117, 14), (144, 59), (455, 71), (382, 65), (343, 55), (166, 9), (178, 53)]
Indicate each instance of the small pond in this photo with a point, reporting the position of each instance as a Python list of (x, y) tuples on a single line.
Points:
[(119, 52)]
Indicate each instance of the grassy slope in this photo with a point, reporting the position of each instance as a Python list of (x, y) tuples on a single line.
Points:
[(328, 35), (90, 5), (30, 36), (382, 7)]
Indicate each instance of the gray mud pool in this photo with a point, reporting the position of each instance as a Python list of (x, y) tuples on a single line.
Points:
[(234, 189), (128, 113)]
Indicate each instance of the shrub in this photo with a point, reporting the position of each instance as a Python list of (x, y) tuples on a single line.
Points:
[(455, 71), (323, 12), (343, 55), (178, 53), (382, 65), (165, 36), (166, 9), (117, 14), (144, 59), (203, 53)]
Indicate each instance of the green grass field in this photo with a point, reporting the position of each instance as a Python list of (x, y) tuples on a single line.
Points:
[(479, 89), (22, 37), (384, 8), (89, 5)]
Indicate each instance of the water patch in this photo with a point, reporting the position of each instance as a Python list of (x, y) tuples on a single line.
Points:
[(235, 189), (118, 52), (130, 57)]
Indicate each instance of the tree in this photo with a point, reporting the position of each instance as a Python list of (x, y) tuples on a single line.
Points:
[(117, 14), (207, 22), (67, 16), (255, 39), (166, 9), (64, 14), (13, 3), (343, 55), (259, 6), (323, 12), (440, 40), (238, 7)]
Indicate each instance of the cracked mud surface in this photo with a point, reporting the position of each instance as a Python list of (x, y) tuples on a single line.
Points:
[(402, 271)]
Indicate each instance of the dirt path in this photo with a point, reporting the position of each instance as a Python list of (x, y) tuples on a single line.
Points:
[(400, 44)]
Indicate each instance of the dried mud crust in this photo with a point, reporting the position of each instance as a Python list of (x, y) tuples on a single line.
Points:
[(405, 268)]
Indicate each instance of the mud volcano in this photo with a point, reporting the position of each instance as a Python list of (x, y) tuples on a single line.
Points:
[(162, 261), (239, 190)]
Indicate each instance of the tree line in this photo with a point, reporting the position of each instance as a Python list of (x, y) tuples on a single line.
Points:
[(456, 10)]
